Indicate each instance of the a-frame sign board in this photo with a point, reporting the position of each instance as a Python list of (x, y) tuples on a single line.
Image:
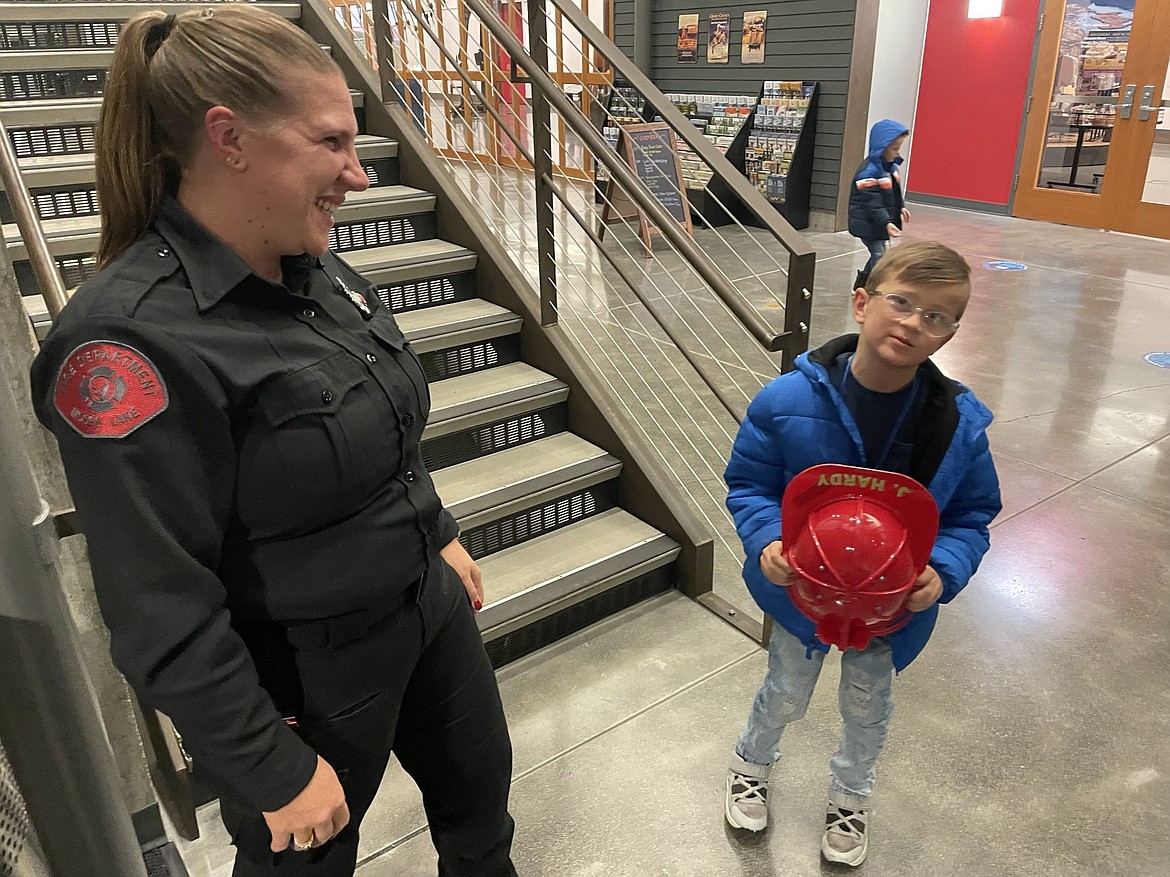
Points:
[(651, 151)]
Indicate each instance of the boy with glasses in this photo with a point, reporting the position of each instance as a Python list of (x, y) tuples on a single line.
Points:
[(872, 399)]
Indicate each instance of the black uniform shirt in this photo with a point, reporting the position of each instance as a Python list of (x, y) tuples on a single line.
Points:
[(236, 449)]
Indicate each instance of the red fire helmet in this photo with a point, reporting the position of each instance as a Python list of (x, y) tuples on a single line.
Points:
[(857, 539)]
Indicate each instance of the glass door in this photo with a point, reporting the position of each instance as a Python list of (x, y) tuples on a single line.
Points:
[(1097, 143)]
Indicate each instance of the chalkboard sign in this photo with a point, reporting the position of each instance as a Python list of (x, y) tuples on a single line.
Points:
[(651, 151), (654, 155)]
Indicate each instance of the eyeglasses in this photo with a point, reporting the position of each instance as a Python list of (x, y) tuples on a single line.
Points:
[(934, 323)]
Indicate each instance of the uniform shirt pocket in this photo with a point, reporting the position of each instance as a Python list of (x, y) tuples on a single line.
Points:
[(316, 450)]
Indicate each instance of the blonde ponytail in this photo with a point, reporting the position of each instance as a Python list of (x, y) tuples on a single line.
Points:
[(130, 172)]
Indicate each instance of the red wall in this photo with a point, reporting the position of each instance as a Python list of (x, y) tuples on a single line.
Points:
[(971, 100)]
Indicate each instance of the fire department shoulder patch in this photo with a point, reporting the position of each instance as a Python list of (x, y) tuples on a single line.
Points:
[(108, 390)]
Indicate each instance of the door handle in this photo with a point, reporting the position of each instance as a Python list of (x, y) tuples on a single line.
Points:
[(1125, 105), (1147, 103)]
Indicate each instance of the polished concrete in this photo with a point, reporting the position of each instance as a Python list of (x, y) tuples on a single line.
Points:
[(1032, 737)]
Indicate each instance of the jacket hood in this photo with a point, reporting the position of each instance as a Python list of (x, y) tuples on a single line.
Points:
[(882, 135)]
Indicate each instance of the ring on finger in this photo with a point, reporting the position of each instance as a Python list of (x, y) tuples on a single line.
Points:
[(307, 845)]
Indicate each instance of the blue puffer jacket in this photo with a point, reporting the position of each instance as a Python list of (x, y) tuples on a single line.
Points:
[(876, 196), (800, 420)]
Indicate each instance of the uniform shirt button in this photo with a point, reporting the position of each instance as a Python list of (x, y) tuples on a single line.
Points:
[(309, 312), (409, 476), (326, 396), (163, 252), (371, 358), (408, 419)]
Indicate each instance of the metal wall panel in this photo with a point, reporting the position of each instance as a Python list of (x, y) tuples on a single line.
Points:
[(806, 39)]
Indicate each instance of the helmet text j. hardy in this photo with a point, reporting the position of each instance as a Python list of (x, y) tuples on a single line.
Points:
[(866, 482)]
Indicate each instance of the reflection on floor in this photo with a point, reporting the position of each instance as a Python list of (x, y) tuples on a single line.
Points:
[(1157, 189), (1030, 737)]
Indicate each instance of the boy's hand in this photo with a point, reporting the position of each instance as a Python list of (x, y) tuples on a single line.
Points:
[(926, 590), (905, 216), (774, 566), (893, 230)]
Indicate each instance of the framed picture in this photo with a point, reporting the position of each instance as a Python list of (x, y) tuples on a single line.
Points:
[(688, 38), (718, 37), (755, 28)]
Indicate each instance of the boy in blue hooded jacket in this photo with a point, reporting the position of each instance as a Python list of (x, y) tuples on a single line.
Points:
[(876, 209), (873, 399)]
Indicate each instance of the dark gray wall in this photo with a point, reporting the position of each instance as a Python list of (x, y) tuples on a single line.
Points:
[(623, 25), (807, 39)]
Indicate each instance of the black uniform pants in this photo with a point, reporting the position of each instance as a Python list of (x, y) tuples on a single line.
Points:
[(416, 683)]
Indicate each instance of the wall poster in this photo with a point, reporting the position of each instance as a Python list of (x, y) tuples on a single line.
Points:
[(755, 26), (718, 37), (688, 38)]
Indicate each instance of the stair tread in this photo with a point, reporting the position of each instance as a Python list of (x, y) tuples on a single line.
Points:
[(571, 551), (56, 59), (374, 194), (493, 479), (113, 11), (365, 143), (370, 199), (403, 254), (454, 317), (73, 110), (487, 389)]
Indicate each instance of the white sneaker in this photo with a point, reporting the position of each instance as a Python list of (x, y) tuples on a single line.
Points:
[(845, 839), (746, 803)]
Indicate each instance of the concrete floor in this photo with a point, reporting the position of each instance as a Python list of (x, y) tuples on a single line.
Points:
[(1031, 737)]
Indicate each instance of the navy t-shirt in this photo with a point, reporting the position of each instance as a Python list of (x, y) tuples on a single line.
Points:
[(877, 415)]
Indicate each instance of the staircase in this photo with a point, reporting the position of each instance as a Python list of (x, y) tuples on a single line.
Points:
[(538, 505)]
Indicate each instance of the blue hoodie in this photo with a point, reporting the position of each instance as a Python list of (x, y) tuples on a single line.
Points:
[(876, 196)]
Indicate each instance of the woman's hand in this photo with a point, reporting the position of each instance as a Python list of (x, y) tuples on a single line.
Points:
[(312, 817), (460, 561)]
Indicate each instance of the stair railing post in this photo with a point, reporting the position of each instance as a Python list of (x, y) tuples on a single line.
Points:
[(542, 149), (29, 222), (384, 50)]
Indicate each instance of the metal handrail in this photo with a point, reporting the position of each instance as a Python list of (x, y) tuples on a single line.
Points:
[(43, 264), (628, 180)]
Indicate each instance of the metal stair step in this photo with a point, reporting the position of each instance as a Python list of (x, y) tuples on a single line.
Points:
[(50, 171), (498, 484), (13, 61), (404, 262), (74, 235), (384, 202), (485, 396), (36, 113), (461, 322), (22, 13), (427, 329), (37, 60), (552, 572)]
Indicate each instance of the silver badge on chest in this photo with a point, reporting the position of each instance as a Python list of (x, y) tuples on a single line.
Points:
[(358, 300)]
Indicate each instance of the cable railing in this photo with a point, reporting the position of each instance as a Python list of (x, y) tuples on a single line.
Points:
[(497, 128), (547, 95)]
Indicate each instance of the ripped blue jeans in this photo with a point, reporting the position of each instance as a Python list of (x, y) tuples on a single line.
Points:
[(865, 698)]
